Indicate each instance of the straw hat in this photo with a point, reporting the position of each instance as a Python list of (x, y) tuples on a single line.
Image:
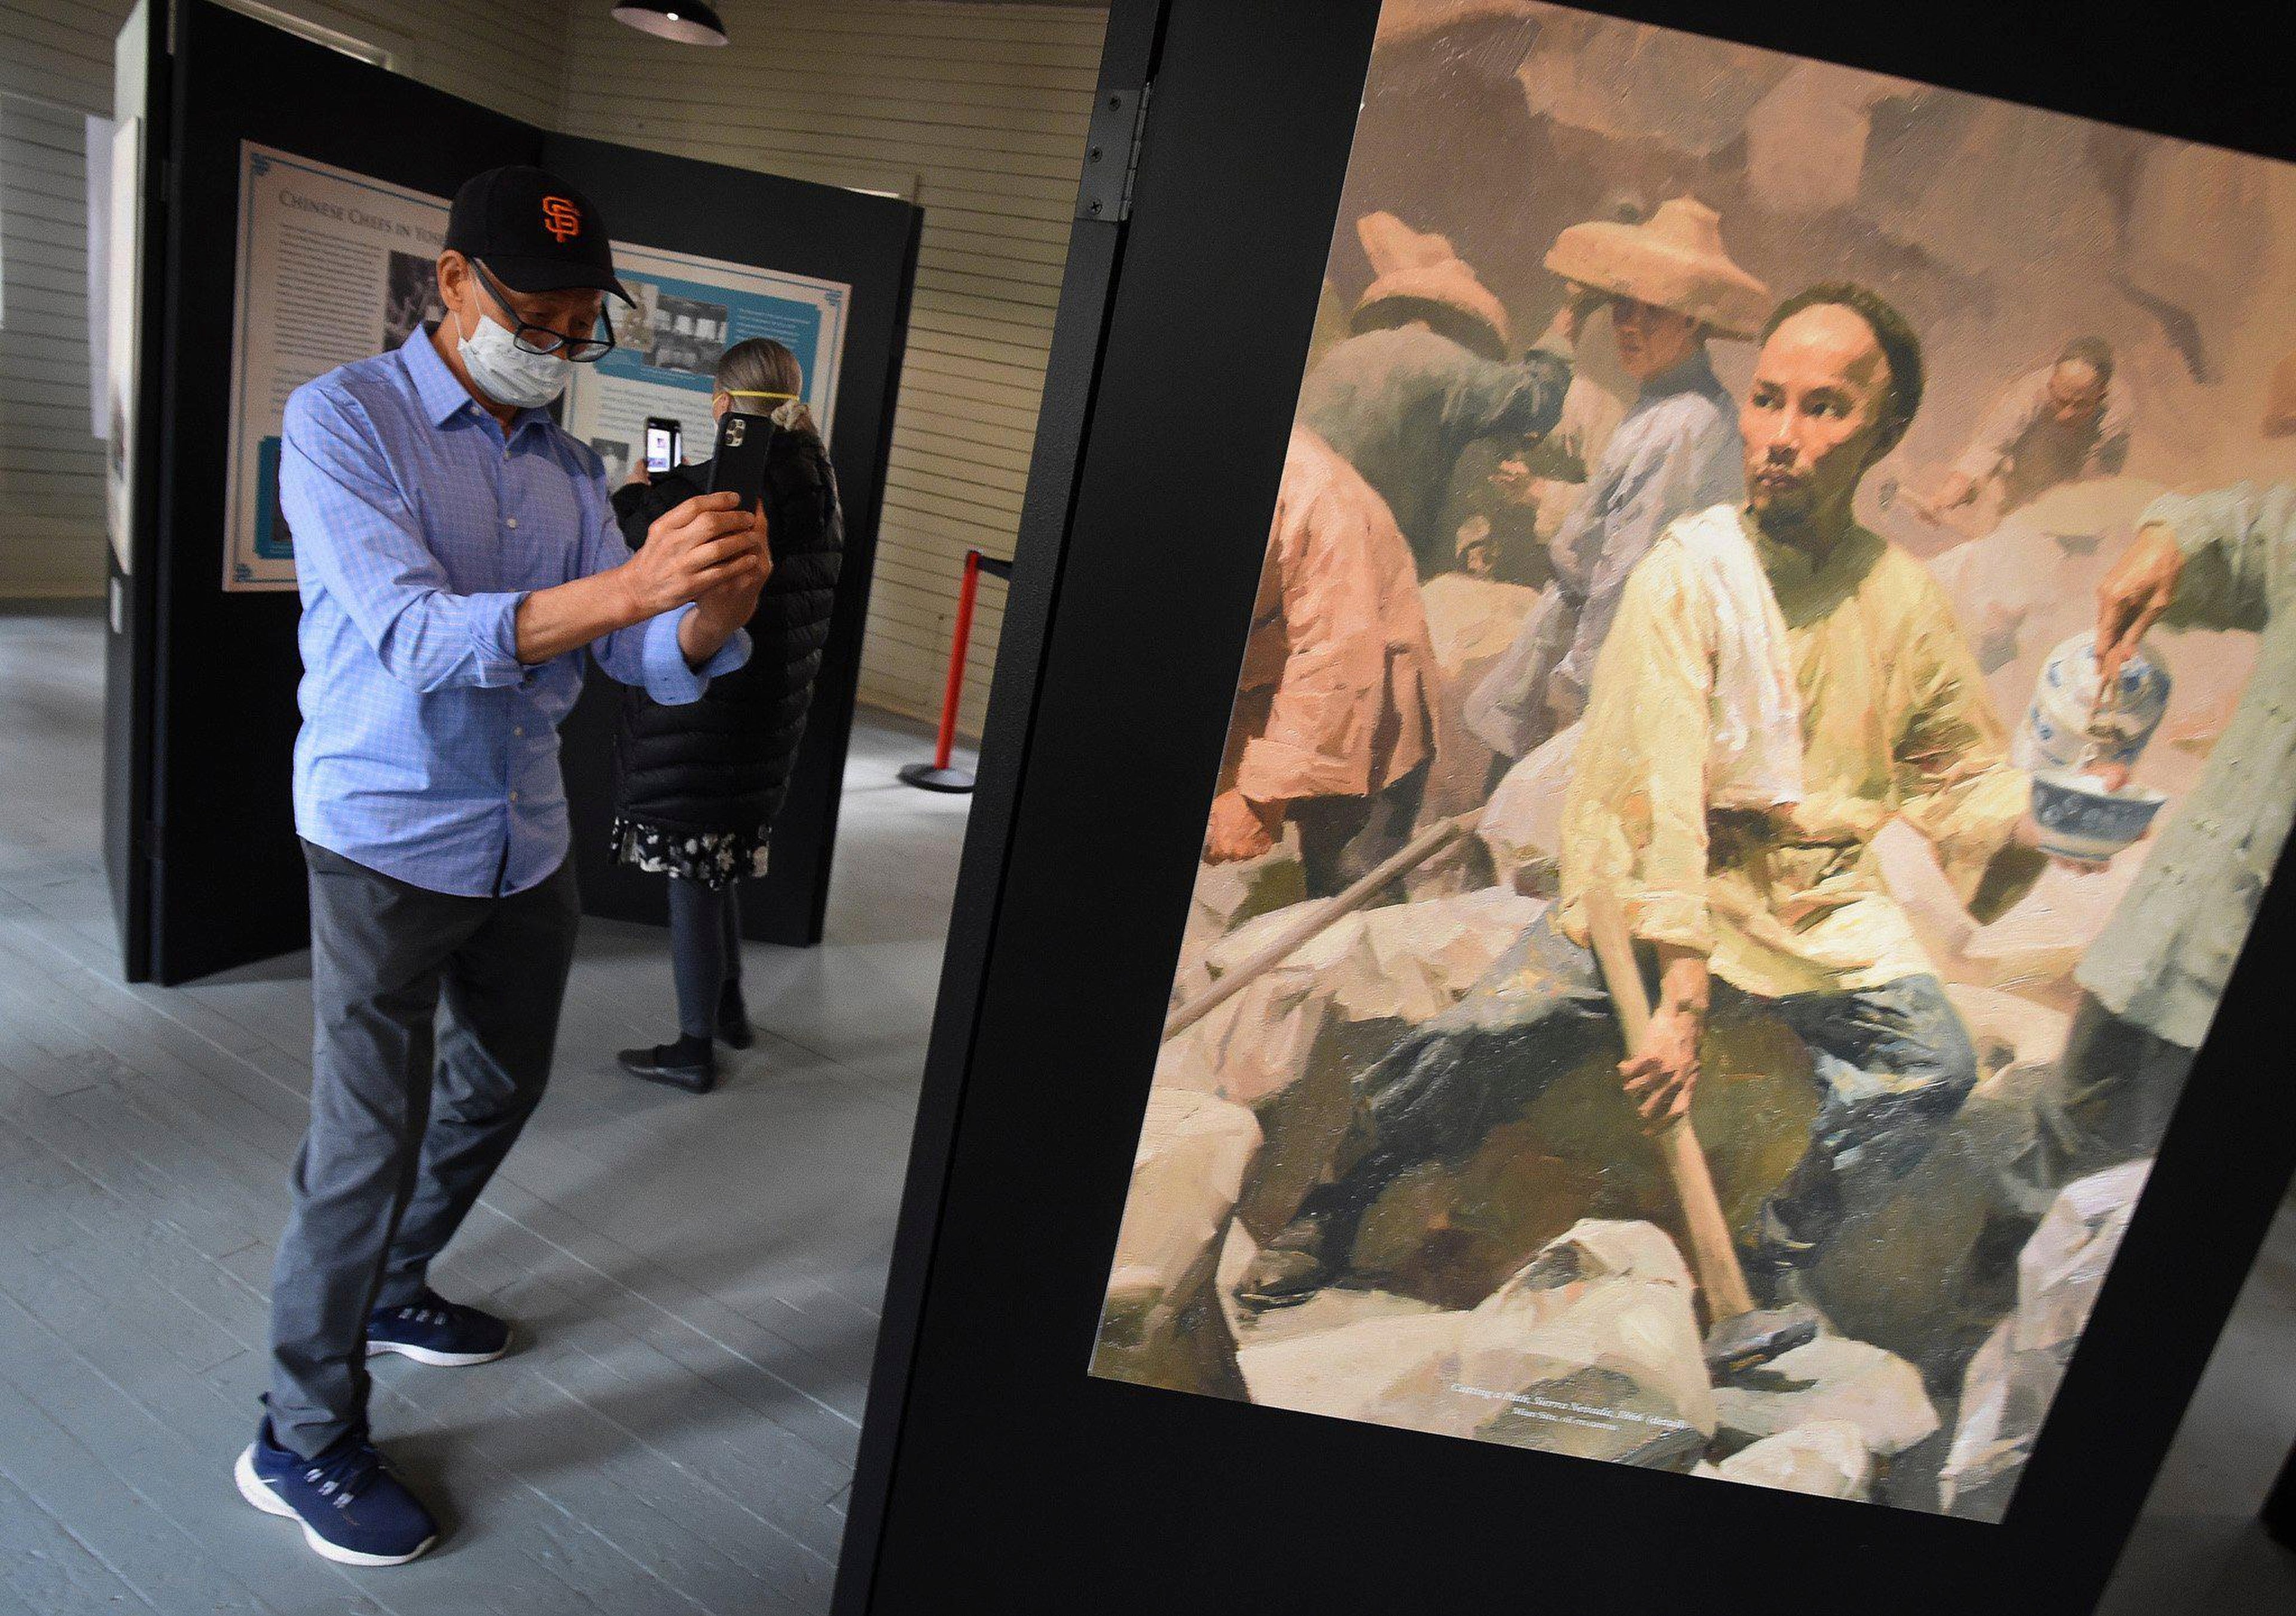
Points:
[(1675, 260), (1419, 277), (2280, 400)]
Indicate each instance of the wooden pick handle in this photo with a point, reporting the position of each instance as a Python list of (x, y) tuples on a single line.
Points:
[(1422, 848), (1710, 1250)]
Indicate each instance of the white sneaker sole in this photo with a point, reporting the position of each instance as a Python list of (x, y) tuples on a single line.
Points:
[(437, 1360), (257, 1491)]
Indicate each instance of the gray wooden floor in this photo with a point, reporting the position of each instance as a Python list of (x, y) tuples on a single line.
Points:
[(698, 1277)]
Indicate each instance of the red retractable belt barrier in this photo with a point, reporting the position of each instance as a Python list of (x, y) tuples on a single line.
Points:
[(937, 775)]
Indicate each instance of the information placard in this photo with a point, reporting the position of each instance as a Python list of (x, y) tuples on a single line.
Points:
[(332, 267), (688, 311)]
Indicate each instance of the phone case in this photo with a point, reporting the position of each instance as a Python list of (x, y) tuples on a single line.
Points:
[(739, 463)]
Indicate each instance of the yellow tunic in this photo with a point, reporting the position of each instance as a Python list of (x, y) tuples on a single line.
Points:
[(1896, 722)]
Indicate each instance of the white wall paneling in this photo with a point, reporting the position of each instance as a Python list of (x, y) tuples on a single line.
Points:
[(977, 113)]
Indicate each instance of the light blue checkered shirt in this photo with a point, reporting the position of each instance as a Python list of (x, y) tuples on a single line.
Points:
[(428, 751)]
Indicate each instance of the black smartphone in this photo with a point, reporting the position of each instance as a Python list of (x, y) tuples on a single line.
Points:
[(665, 444), (740, 463)]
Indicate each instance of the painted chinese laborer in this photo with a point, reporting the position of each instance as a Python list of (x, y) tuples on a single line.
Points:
[(1336, 714), (1781, 907), (2065, 422), (1513, 501), (2152, 979), (1544, 486), (458, 562), (1425, 374), (1670, 288)]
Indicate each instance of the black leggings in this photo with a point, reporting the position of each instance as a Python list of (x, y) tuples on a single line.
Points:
[(705, 951)]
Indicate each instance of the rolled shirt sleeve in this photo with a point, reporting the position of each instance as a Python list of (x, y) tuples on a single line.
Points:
[(647, 655), (494, 622), (662, 668), (358, 536)]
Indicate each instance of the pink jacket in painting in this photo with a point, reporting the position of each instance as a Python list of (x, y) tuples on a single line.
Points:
[(1338, 694)]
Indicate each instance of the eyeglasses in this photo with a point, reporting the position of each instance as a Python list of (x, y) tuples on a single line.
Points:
[(541, 339)]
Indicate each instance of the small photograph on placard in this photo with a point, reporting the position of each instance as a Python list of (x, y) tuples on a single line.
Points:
[(411, 300), (688, 335), (615, 455)]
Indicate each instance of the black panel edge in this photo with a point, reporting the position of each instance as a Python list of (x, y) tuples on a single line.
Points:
[(2219, 112), (130, 664), (1079, 337)]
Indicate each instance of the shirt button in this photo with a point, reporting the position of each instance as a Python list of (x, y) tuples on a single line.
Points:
[(510, 521), (518, 729), (505, 454), (514, 796)]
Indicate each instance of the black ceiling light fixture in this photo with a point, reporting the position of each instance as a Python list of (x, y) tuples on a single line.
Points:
[(687, 21)]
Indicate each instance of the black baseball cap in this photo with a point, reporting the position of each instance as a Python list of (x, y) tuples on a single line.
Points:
[(535, 232)]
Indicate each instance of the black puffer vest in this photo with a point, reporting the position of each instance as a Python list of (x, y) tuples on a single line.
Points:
[(723, 763)]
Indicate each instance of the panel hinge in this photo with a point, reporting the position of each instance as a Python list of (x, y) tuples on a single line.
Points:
[(1111, 155)]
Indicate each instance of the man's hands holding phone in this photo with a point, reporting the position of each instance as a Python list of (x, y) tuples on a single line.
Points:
[(706, 552), (705, 546), (711, 552)]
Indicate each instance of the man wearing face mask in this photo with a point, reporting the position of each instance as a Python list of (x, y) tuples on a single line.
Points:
[(457, 554)]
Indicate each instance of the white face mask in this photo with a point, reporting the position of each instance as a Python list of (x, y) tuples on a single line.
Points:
[(506, 372)]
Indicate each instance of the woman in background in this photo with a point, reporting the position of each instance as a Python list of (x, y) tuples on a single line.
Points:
[(697, 787)]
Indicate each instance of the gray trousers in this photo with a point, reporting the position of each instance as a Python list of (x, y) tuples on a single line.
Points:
[(410, 1116), (1344, 839)]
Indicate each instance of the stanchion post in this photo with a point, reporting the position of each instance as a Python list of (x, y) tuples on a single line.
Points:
[(959, 643), (937, 775)]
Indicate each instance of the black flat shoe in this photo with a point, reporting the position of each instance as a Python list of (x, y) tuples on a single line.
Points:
[(667, 1064)]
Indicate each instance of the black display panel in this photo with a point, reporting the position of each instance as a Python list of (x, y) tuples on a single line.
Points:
[(995, 1465), (208, 873)]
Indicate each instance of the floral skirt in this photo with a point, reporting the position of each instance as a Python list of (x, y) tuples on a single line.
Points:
[(714, 858)]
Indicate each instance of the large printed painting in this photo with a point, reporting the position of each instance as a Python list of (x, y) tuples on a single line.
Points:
[(1769, 711)]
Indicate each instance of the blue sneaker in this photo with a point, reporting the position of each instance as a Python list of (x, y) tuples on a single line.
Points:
[(353, 1510), (432, 1330)]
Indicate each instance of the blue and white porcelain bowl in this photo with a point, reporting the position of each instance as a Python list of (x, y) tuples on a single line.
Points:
[(2065, 729), (2082, 821)]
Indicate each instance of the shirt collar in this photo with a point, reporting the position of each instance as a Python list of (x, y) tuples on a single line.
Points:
[(441, 392), (1803, 584), (1694, 374)]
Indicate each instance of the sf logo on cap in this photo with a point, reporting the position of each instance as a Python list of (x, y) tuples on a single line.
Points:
[(561, 218)]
